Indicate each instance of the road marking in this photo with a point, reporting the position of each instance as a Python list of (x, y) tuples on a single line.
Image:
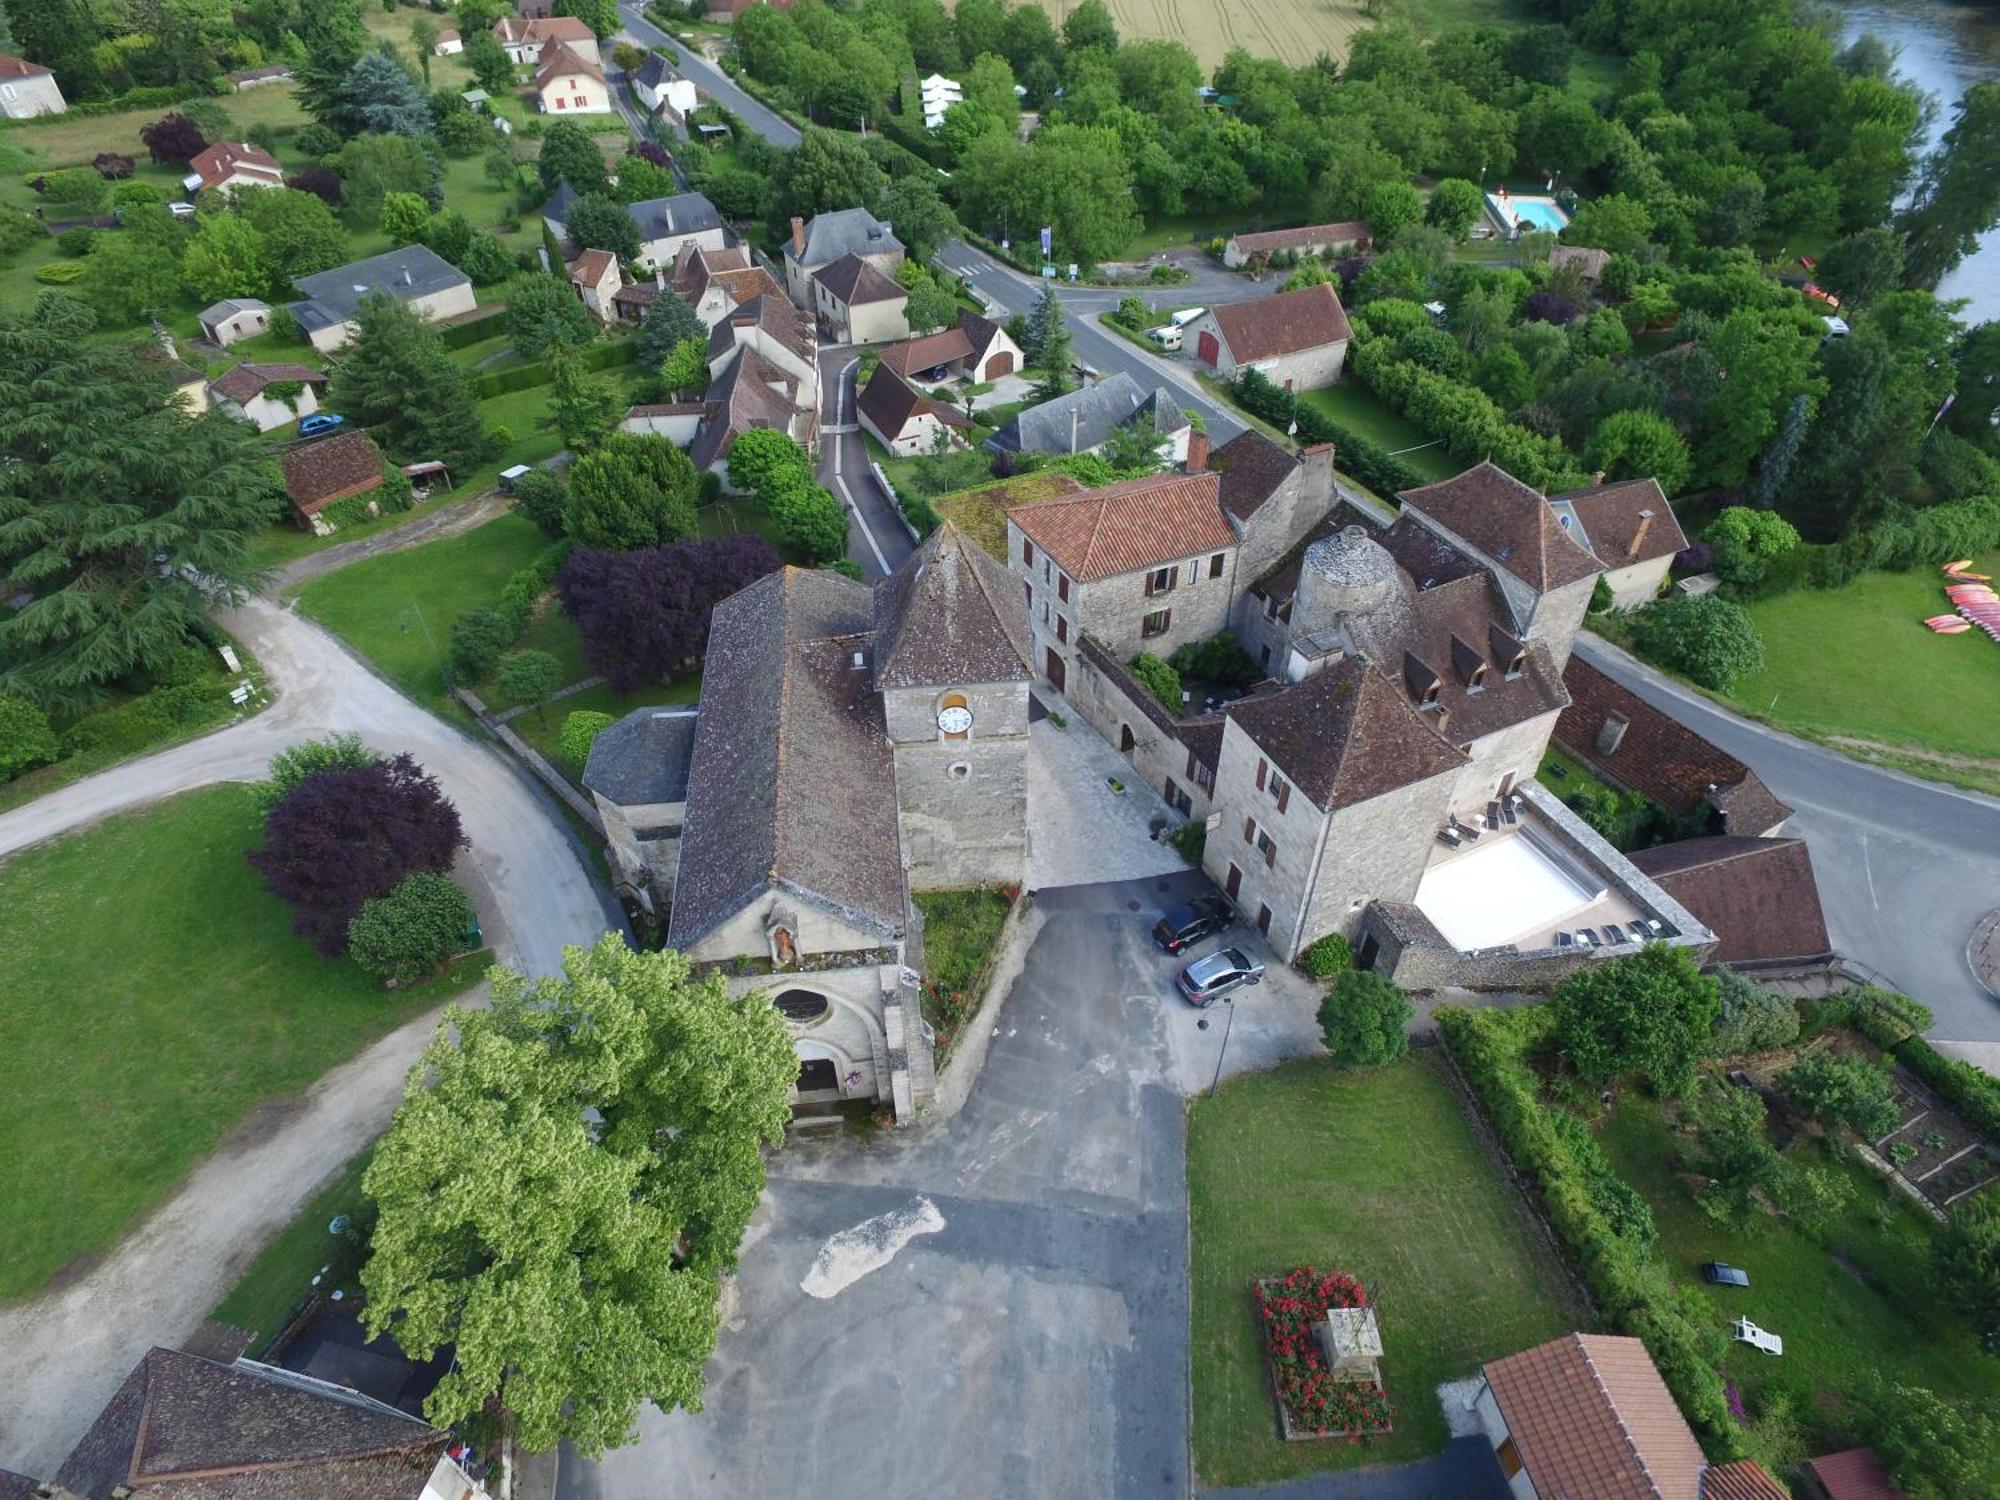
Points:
[(868, 1246), (1868, 869), (860, 519)]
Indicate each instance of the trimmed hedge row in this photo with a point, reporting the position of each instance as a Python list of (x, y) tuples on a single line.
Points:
[(527, 377), (472, 330), (152, 96), (1630, 1284), (1366, 460), (1896, 544), (1895, 1023)]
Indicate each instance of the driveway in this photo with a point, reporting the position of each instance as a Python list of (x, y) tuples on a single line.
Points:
[(156, 1287), (1906, 867), (878, 539), (994, 1304)]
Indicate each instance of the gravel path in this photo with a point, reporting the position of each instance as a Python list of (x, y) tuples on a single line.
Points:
[(73, 1345)]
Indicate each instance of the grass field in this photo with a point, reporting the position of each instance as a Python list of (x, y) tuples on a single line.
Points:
[(1353, 405), (1857, 661), (1856, 1302), (165, 998), (1377, 1173)]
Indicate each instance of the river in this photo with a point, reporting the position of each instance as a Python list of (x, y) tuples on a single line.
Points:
[(1944, 50)]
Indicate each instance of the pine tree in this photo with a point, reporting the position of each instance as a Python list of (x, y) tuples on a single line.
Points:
[(396, 380), (587, 407), (334, 41), (378, 97), (669, 323), (119, 511), (1043, 320), (1958, 197), (1776, 465)]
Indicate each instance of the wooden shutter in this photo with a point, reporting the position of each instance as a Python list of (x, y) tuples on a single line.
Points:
[(1190, 764), (1284, 794), (1249, 830), (1262, 767)]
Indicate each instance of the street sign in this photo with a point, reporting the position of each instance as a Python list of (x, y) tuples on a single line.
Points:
[(1048, 240)]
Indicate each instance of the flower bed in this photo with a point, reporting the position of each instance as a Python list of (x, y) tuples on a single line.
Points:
[(1312, 1403)]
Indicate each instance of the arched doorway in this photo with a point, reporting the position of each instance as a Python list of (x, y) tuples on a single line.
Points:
[(1208, 349), (1125, 740), (1000, 364)]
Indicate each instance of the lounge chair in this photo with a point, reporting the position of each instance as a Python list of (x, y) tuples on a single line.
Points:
[(1747, 1332)]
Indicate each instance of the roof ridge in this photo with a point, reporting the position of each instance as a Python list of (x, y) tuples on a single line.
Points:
[(778, 729), (1611, 1405)]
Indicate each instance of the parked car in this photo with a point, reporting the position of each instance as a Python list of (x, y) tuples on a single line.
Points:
[(1716, 1273), (320, 421), (1207, 980), (1187, 925)]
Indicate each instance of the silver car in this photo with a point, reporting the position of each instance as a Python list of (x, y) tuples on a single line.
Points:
[(1207, 980)]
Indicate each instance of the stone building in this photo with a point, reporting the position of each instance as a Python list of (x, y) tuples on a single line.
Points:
[(831, 237), (1296, 340), (1631, 529), (852, 745)]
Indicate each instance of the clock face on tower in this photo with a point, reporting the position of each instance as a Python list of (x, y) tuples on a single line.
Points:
[(956, 719)]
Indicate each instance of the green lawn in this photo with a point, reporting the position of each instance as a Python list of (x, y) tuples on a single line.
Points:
[(165, 998), (961, 930), (1856, 1302), (1377, 1173), (1353, 405), (600, 699), (281, 1276), (1858, 661), (375, 605)]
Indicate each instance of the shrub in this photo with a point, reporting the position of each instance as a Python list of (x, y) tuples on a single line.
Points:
[(75, 243), (1217, 659), (579, 732), (1362, 1018), (1843, 1089), (478, 636), (541, 495), (26, 738), (1651, 1012), (1966, 1258), (409, 933), (1331, 955), (1191, 842), (1752, 1018), (529, 677), (1744, 542), (1704, 637), (1159, 679), (59, 272), (337, 752)]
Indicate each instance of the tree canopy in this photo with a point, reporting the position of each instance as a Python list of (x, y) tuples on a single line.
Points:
[(633, 490), (397, 380), (644, 613), (1650, 1013)]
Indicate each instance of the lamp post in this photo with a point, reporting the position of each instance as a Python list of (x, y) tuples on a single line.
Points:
[(1202, 1025), (444, 672)]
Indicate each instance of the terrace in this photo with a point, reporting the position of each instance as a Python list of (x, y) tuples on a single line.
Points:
[(1516, 887)]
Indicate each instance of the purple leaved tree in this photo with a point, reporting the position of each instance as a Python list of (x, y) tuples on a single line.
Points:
[(644, 613)]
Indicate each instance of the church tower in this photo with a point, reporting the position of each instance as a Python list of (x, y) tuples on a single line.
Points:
[(951, 664)]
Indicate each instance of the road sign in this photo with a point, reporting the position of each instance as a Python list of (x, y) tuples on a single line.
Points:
[(1048, 239)]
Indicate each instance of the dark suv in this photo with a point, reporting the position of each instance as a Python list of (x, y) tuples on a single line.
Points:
[(1184, 926)]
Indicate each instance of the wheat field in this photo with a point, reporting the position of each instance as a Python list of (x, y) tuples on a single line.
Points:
[(1295, 30)]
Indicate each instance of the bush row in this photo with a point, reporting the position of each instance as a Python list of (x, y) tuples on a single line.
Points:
[(1366, 460), (1630, 1284), (1464, 418), (527, 377), (1896, 544), (472, 330), (1895, 1023), (478, 636), (152, 96)]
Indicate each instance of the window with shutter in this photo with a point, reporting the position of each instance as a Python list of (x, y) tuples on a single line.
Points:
[(1156, 623), (1190, 764), (1027, 553), (1062, 587), (1249, 830), (1062, 630)]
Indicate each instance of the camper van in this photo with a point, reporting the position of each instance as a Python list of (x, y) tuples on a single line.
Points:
[(1187, 315), (1167, 336)]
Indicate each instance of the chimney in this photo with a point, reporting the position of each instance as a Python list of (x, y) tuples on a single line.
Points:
[(799, 237), (660, 278), (1197, 459), (1596, 478), (1611, 734), (670, 218), (1318, 464), (1639, 536), (406, 277)]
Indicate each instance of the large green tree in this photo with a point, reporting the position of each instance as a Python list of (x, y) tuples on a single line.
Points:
[(633, 490), (544, 314), (826, 170), (396, 380), (120, 513), (301, 234), (1967, 1259), (1649, 1013), (1958, 196), (563, 1186), (570, 155), (227, 258), (334, 40), (597, 222), (586, 406)]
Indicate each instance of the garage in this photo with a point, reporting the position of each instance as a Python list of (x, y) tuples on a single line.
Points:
[(1000, 364)]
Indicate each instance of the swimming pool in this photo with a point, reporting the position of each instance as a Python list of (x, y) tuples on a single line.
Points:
[(1540, 213)]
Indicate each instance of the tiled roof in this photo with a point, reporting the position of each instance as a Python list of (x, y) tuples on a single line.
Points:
[(1310, 237), (889, 402), (246, 381), (1139, 523), (1344, 735), (741, 399), (543, 30), (1509, 521), (196, 1429), (928, 352), (1758, 896), (950, 615), (559, 61), (1856, 1474), (1592, 261), (1593, 1420), (1743, 1480), (1659, 756), (20, 67), (1283, 324), (772, 314), (588, 268), (855, 283), (1252, 467), (643, 758), (225, 158), (1626, 522), (791, 781), (332, 469)]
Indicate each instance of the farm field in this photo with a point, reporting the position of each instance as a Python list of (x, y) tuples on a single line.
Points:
[(1296, 31), (168, 998)]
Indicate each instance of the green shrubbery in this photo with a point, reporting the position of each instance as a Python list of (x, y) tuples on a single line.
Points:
[(1329, 956), (409, 933), (1362, 1020), (1159, 679)]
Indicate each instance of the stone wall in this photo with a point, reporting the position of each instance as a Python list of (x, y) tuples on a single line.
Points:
[(1638, 584), (1298, 505), (1516, 751), (962, 804), (1114, 609), (1108, 698)]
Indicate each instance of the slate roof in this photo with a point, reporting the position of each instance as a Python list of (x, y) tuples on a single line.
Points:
[(1286, 323), (1758, 896), (320, 473), (654, 71), (557, 208), (225, 158), (845, 231), (1591, 1417), (853, 282), (772, 313), (1120, 528), (1252, 468), (1856, 1474), (1085, 418), (1743, 1480), (559, 60), (791, 782), (1310, 237), (229, 307), (1625, 522), (643, 758), (950, 615), (743, 398), (1509, 521), (1344, 735), (1661, 757), (676, 214), (406, 273), (890, 402), (194, 1429), (17, 1486), (245, 382)]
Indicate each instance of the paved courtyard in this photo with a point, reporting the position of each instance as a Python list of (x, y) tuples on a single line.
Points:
[(1080, 831)]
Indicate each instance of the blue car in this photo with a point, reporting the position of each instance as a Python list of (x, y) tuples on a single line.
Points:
[(318, 422)]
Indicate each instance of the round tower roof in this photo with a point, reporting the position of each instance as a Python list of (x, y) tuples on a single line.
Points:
[(1351, 558)]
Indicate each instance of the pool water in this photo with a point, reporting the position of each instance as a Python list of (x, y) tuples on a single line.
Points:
[(1540, 213)]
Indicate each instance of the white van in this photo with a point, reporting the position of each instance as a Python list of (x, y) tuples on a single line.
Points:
[(1167, 336), (1187, 315)]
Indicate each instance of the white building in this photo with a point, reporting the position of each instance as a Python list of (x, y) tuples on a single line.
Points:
[(939, 94), (27, 89)]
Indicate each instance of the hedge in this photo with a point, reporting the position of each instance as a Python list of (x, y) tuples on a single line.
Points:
[(1895, 1023), (1366, 460), (472, 330), (526, 377), (1631, 1286), (151, 97)]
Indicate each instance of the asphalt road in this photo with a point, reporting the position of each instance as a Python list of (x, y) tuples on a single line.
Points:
[(1905, 866), (878, 539)]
